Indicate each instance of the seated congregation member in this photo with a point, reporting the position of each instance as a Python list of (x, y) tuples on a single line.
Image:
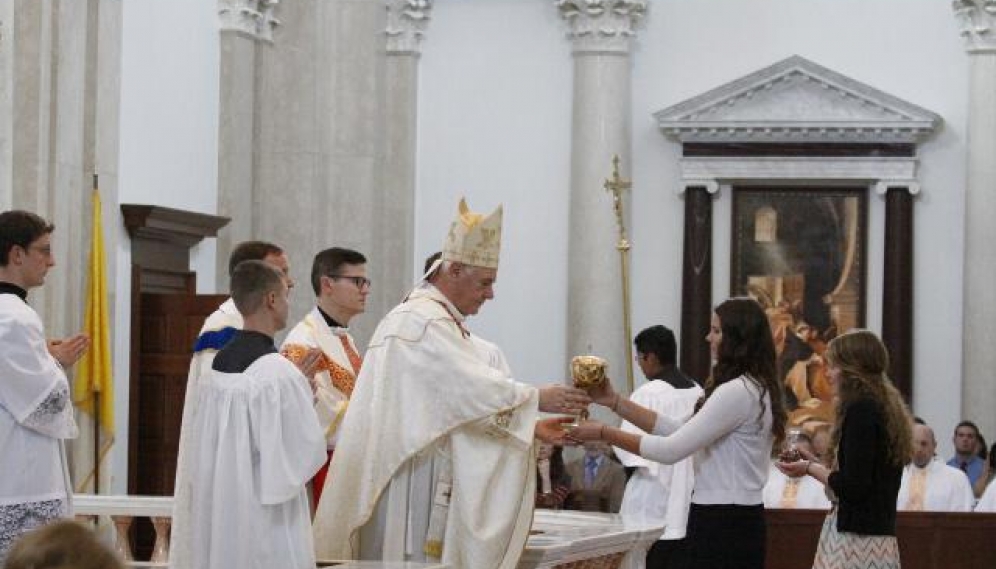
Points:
[(788, 492), (987, 503), (339, 279), (255, 443), (552, 482), (872, 441), (660, 492), (929, 484), (36, 408), (597, 481), (966, 458), (62, 545), (731, 436), (988, 473)]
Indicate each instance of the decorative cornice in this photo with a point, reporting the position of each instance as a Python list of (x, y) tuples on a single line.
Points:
[(977, 22), (252, 18), (602, 26), (406, 23), (796, 100)]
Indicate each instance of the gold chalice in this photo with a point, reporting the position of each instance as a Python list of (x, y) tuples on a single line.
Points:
[(588, 371)]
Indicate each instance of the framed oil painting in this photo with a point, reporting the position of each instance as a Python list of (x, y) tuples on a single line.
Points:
[(801, 253)]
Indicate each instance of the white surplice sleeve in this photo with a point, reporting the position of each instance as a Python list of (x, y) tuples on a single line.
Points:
[(34, 388), (289, 440)]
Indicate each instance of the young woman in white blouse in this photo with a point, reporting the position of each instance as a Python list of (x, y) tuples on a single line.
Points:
[(731, 435)]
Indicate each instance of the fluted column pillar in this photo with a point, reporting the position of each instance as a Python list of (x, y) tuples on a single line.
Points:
[(406, 24), (601, 32), (244, 24), (978, 26)]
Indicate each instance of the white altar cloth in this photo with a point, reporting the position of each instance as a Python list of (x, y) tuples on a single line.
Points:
[(560, 537)]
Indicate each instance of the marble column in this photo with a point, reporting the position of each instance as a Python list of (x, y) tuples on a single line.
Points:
[(59, 90), (601, 32), (406, 24), (978, 26), (244, 24)]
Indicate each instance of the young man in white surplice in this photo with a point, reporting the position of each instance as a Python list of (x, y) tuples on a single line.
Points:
[(255, 442), (36, 410)]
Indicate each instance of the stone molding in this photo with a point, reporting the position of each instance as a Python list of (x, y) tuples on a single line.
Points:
[(977, 20), (796, 101), (602, 26), (882, 173), (406, 24), (252, 18)]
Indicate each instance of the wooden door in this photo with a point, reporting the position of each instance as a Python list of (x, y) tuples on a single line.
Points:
[(164, 328)]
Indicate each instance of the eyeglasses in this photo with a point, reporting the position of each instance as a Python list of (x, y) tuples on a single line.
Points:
[(360, 282)]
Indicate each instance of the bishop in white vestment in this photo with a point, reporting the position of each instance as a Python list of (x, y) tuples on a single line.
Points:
[(435, 459), (36, 410), (255, 442)]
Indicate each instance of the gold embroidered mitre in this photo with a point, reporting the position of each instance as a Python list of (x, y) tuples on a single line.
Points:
[(474, 239)]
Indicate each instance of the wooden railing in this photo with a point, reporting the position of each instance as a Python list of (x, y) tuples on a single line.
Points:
[(122, 510), (927, 540)]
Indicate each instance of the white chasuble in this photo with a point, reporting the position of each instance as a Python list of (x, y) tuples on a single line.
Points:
[(255, 443), (336, 379), (426, 397), (36, 416), (216, 332)]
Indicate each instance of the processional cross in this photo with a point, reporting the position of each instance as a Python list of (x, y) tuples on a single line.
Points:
[(616, 185)]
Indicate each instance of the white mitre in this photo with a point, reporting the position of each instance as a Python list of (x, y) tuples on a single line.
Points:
[(474, 239)]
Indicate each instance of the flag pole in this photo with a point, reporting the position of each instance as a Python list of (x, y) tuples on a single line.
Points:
[(95, 390)]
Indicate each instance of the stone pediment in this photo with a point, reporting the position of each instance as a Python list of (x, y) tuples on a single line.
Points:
[(796, 100)]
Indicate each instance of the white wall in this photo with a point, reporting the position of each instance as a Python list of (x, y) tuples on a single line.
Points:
[(168, 145), (495, 102), (494, 126)]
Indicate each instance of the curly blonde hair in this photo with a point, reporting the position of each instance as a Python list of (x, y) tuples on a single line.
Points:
[(863, 362)]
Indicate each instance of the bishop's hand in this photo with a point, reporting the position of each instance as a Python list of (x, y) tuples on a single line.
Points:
[(551, 430), (562, 399)]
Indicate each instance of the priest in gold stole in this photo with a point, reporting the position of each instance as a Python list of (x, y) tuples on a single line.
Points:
[(339, 279), (435, 457)]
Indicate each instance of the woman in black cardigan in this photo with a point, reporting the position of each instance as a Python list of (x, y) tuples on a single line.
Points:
[(871, 442)]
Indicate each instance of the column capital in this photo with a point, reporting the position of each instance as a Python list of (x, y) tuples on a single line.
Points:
[(977, 24), (602, 26), (883, 186), (252, 18), (406, 23)]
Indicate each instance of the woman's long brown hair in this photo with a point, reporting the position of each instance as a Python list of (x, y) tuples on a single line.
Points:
[(863, 362), (747, 349)]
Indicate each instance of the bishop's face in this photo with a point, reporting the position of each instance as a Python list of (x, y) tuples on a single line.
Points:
[(473, 287)]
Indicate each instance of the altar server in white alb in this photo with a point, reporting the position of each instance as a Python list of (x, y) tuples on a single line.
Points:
[(928, 483), (660, 492), (217, 331), (435, 458), (255, 442), (36, 410), (339, 279)]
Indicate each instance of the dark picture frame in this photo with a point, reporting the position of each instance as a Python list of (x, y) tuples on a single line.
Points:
[(802, 253)]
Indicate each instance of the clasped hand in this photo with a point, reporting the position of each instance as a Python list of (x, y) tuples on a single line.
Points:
[(68, 351)]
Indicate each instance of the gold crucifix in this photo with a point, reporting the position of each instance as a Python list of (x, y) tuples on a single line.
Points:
[(616, 184)]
